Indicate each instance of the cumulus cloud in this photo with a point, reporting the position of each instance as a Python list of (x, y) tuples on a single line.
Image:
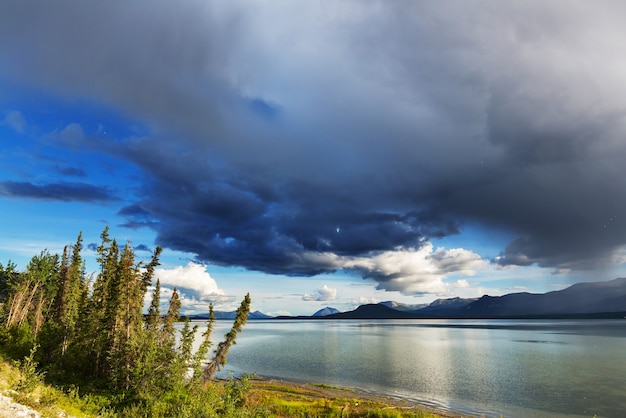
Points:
[(189, 302), (324, 293), (193, 281), (418, 271), (362, 300), (462, 284)]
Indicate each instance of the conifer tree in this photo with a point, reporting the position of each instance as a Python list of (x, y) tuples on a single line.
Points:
[(42, 269), (8, 277), (219, 359), (152, 369), (68, 297), (31, 292), (202, 353), (168, 334), (146, 276), (154, 312), (100, 331), (128, 325), (99, 321), (185, 348)]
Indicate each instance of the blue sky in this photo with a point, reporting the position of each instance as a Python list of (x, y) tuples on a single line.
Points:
[(320, 154)]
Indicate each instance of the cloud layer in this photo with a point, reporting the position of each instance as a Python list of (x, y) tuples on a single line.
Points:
[(302, 139)]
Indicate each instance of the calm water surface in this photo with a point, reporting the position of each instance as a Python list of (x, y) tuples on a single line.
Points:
[(494, 368)]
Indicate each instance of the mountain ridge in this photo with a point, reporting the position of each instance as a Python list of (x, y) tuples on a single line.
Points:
[(605, 299)]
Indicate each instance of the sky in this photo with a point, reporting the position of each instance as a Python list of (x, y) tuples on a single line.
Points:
[(320, 153)]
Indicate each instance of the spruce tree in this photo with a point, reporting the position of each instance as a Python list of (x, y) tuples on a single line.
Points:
[(168, 333), (124, 351), (202, 353), (68, 298), (154, 312), (219, 359), (99, 318), (100, 331)]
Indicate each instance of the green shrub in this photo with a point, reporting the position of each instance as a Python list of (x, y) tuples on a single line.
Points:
[(29, 377)]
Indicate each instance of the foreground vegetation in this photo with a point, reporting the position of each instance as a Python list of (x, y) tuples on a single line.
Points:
[(83, 345), (234, 398)]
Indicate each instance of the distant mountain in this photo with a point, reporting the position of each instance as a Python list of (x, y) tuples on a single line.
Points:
[(230, 315), (371, 311), (258, 315), (405, 307), (325, 312), (593, 299), (581, 298), (445, 306)]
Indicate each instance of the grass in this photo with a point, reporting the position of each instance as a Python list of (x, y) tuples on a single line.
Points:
[(261, 398), (285, 399), (26, 386)]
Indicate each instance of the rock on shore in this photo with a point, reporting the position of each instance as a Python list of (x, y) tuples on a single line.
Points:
[(11, 409)]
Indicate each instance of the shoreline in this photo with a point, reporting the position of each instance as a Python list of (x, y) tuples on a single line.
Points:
[(364, 399)]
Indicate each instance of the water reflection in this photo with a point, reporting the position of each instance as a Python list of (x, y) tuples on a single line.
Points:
[(513, 368)]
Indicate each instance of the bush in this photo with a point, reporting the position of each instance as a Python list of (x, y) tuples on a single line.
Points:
[(30, 377)]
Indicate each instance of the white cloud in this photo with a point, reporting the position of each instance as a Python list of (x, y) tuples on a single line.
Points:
[(418, 271), (279, 313), (196, 290), (365, 300), (619, 256), (324, 293), (411, 271), (462, 283), (192, 280)]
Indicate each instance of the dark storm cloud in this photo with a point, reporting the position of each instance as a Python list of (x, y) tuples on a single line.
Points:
[(70, 171), (142, 247), (297, 139), (66, 192), (134, 211)]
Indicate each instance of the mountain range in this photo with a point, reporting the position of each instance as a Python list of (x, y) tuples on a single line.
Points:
[(581, 300), (229, 315)]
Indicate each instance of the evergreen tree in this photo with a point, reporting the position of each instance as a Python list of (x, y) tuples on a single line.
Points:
[(101, 332), (146, 276), (168, 333), (8, 277), (154, 312), (128, 324), (68, 297), (185, 348), (99, 316), (219, 359), (203, 351), (28, 300)]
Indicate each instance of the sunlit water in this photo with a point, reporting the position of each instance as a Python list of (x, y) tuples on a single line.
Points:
[(491, 368)]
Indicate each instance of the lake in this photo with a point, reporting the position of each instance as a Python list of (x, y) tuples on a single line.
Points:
[(513, 368)]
